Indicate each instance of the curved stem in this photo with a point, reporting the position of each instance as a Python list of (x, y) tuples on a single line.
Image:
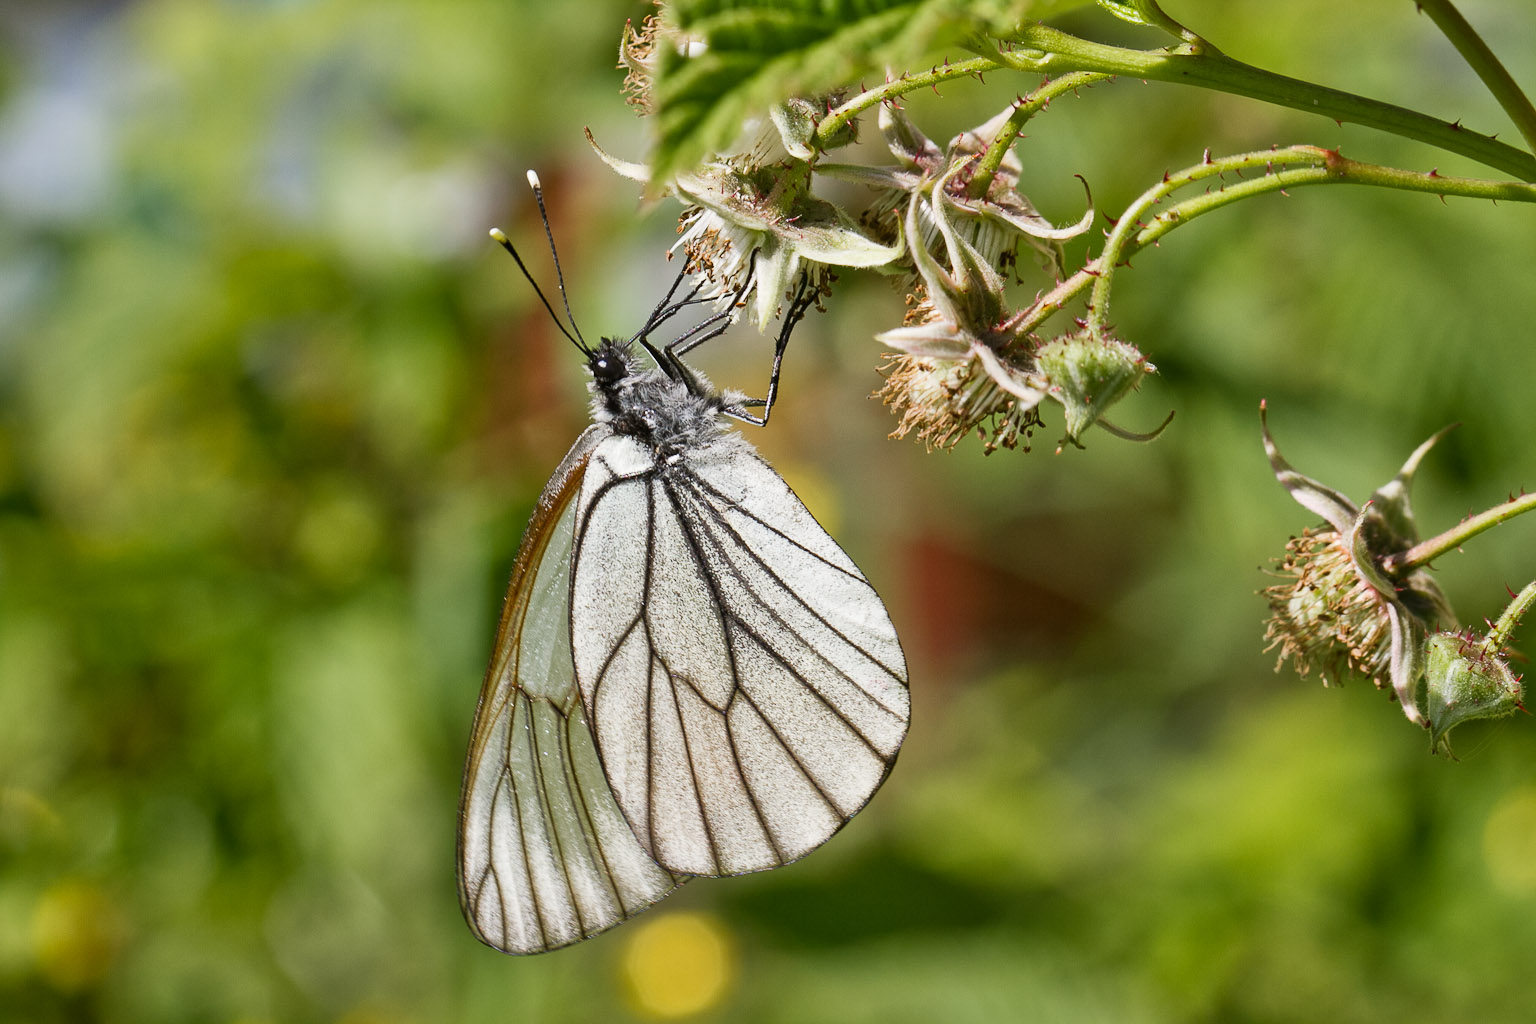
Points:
[(1509, 620), (1050, 51), (1488, 67), (1322, 167), (1155, 16), (1130, 222), (1427, 551), (1026, 108), (833, 122), (1338, 170)]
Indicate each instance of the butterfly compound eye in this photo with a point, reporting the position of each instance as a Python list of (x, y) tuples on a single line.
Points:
[(607, 369)]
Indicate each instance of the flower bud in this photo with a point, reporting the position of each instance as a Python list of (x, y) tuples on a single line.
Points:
[(795, 120), (1466, 680), (1087, 374)]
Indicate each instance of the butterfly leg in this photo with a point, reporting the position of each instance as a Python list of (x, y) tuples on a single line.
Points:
[(670, 356), (666, 309), (805, 298)]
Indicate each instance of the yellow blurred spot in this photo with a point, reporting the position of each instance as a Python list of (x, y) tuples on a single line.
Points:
[(338, 533), (815, 491), (678, 964), (1509, 840), (76, 932), (23, 811), (366, 1015)]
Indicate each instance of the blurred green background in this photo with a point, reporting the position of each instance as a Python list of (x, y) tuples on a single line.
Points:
[(274, 411)]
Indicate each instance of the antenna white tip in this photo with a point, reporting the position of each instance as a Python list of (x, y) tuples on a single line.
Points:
[(499, 235), (533, 181)]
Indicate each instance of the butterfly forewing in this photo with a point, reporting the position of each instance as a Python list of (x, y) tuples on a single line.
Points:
[(545, 855), (745, 684)]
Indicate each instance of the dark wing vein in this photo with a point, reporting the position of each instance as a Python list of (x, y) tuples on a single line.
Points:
[(542, 798), (693, 769), (708, 524), (490, 868), (794, 758), (713, 514), (705, 486), (717, 601), (650, 695), (522, 839), (578, 798), (602, 673)]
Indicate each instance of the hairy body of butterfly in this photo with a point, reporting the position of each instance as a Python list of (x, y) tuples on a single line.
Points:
[(690, 676)]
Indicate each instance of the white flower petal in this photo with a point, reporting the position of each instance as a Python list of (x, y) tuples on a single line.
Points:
[(1407, 663), (1334, 507), (928, 341), (1007, 378), (839, 245), (776, 264), (907, 143)]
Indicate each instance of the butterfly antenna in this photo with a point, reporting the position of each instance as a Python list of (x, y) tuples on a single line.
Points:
[(506, 243), (538, 194)]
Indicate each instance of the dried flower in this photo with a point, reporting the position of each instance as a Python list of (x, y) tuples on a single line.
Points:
[(753, 222), (1325, 616), (943, 400), (962, 365), (640, 53), (1336, 606), (637, 56), (994, 224)]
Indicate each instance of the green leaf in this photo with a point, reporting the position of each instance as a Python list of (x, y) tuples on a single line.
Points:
[(760, 52), (1124, 11)]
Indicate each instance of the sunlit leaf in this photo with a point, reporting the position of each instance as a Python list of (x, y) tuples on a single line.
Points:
[(760, 52)]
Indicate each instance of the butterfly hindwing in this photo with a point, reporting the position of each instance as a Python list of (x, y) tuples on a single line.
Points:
[(745, 684), (546, 858)]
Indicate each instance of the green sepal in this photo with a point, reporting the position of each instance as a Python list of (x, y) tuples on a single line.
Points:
[(1465, 681)]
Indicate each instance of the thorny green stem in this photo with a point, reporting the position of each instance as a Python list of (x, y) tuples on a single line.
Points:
[(1047, 50), (1488, 67), (1130, 221), (1026, 108), (1323, 167), (1509, 619), (1427, 551), (1050, 51), (830, 125)]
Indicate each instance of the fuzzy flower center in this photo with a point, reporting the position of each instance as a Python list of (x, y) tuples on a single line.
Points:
[(1324, 616)]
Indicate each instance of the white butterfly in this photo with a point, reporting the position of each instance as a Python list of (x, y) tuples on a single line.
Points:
[(690, 676)]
